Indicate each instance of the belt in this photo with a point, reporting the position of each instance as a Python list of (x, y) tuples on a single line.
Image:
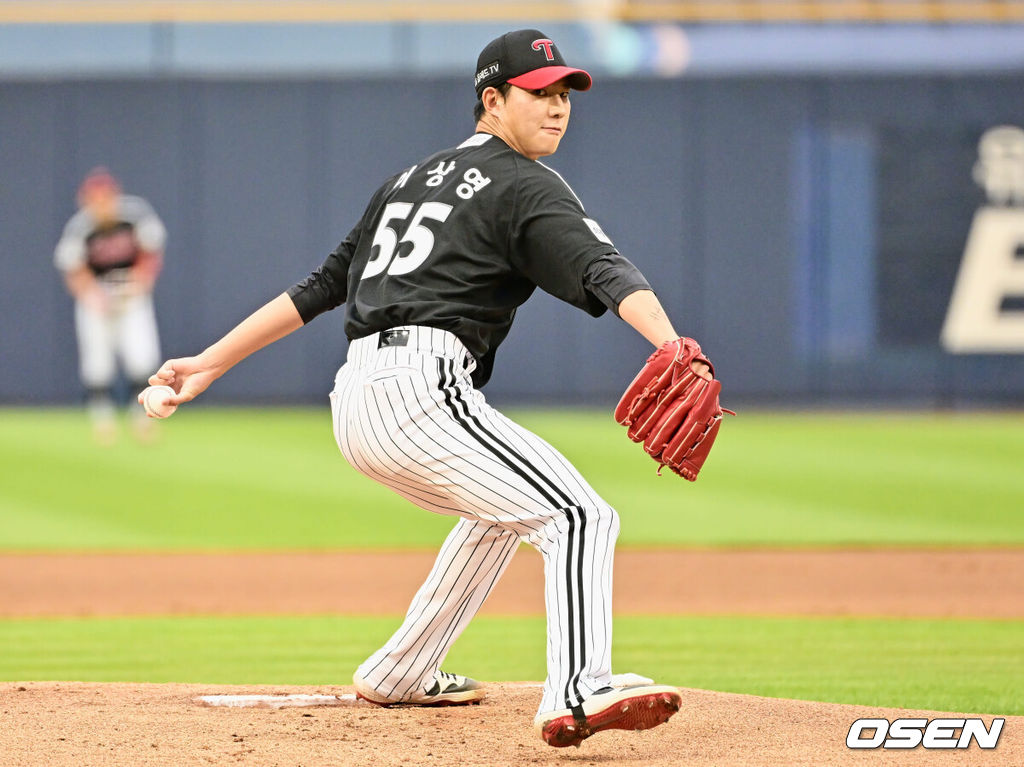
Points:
[(394, 337), (413, 339)]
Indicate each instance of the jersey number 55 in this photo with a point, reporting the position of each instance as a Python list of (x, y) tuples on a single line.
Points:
[(422, 239)]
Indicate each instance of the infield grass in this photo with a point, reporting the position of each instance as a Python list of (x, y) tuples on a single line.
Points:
[(273, 479), (967, 666)]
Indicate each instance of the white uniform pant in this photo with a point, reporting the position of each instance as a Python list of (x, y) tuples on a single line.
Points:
[(409, 417), (127, 332)]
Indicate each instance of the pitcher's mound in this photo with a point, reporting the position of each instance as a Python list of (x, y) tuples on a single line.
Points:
[(82, 724)]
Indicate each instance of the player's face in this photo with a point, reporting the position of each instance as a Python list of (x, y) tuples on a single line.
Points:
[(535, 121), (101, 202)]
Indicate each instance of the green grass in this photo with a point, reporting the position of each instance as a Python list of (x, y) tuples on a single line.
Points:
[(274, 479), (952, 665)]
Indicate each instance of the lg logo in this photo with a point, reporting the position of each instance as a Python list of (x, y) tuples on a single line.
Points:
[(547, 45)]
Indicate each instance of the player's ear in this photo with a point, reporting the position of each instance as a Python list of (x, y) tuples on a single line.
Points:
[(491, 98)]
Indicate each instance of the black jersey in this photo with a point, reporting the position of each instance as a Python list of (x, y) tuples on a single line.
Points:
[(108, 249), (459, 242)]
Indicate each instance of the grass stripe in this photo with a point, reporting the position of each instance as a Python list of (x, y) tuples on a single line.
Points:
[(955, 665), (273, 479)]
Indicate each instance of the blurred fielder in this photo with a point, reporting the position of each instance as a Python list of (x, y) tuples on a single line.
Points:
[(110, 254), (432, 276)]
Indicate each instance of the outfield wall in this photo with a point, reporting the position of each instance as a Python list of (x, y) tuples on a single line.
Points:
[(807, 230)]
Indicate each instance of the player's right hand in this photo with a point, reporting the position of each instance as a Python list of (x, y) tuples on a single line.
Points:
[(188, 376)]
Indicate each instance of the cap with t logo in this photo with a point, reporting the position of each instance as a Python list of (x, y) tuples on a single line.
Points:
[(528, 59)]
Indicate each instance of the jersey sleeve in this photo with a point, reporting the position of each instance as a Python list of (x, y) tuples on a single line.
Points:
[(150, 232), (326, 287), (552, 242), (71, 251), (612, 277)]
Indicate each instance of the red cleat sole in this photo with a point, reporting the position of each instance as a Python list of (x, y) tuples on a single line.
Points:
[(639, 713)]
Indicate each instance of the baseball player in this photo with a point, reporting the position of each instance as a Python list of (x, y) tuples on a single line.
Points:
[(110, 255), (432, 275)]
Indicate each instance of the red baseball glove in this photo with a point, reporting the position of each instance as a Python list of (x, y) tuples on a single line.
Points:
[(672, 410)]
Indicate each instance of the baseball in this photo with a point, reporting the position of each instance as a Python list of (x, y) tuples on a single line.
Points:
[(154, 399)]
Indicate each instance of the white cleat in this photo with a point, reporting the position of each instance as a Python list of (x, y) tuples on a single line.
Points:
[(447, 690)]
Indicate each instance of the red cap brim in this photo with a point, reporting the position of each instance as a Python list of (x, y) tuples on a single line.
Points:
[(545, 76)]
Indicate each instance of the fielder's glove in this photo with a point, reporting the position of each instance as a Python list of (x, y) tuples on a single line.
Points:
[(672, 410)]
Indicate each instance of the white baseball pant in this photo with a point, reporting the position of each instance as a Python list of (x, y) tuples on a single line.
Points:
[(128, 332), (407, 415)]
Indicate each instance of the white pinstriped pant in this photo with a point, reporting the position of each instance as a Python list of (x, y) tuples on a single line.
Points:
[(128, 332), (409, 417)]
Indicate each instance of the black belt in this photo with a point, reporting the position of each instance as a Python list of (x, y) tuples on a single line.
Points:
[(393, 338)]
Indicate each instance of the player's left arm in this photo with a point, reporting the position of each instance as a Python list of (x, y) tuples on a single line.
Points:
[(567, 254), (644, 313), (151, 238), (146, 269)]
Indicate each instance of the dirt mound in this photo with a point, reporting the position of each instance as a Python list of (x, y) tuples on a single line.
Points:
[(67, 724)]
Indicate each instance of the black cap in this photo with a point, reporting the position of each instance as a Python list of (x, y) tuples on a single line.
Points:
[(526, 58)]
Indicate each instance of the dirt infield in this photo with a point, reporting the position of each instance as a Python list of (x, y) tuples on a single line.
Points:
[(901, 583), (62, 724), (71, 725)]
